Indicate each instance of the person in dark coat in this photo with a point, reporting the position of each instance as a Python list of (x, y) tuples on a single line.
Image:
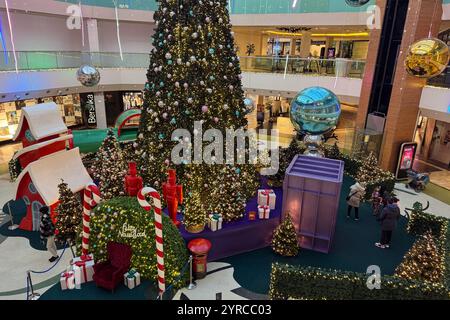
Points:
[(47, 230), (388, 218)]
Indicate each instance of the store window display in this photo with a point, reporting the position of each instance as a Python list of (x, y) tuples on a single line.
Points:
[(10, 112)]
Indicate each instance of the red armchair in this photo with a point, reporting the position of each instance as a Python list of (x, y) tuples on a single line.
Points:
[(108, 274)]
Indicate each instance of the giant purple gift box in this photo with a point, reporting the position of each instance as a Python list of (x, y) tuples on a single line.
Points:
[(311, 192)]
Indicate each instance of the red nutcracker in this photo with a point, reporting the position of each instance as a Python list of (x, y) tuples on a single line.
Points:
[(133, 182), (173, 194)]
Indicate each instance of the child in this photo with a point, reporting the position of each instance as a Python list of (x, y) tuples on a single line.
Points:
[(377, 202), (47, 230)]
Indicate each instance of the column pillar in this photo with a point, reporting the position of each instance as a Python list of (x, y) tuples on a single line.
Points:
[(100, 110), (293, 46), (369, 72), (94, 47), (407, 90), (328, 43), (306, 45)]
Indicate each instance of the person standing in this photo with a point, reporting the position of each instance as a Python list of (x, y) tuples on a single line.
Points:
[(354, 198), (389, 218), (47, 230)]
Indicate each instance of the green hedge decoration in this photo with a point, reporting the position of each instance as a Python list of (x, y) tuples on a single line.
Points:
[(107, 225), (290, 282)]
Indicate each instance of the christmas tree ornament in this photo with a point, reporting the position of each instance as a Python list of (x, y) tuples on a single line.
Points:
[(88, 76), (427, 58), (315, 111)]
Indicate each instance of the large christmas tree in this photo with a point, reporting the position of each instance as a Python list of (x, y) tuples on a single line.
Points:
[(195, 76), (69, 215), (109, 168)]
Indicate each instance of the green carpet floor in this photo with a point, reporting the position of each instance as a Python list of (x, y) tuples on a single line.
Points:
[(89, 291), (353, 250)]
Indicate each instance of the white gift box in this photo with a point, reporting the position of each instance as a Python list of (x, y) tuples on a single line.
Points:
[(83, 267), (132, 279), (264, 212), (215, 222), (267, 197), (67, 280)]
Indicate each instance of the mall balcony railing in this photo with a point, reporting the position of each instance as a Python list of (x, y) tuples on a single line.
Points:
[(53, 60), (442, 80), (306, 66)]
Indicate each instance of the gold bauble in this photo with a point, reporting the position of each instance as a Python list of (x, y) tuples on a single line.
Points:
[(427, 58)]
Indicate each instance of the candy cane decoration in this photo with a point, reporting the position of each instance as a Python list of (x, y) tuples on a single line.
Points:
[(91, 199), (158, 230)]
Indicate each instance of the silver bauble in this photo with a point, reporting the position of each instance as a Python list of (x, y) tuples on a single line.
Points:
[(88, 76)]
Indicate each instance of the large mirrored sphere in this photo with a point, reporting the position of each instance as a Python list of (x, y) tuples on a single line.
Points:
[(249, 105), (315, 111), (356, 3), (88, 76), (427, 58)]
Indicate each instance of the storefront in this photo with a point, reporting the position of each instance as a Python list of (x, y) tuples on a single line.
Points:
[(10, 112), (433, 138)]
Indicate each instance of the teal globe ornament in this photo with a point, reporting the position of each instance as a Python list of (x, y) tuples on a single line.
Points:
[(356, 3), (314, 112), (249, 105)]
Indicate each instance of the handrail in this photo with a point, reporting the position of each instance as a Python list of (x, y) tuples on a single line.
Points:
[(50, 60)]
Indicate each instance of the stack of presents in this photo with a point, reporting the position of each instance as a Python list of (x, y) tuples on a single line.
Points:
[(266, 202), (82, 270)]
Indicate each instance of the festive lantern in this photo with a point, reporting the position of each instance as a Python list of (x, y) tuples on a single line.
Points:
[(427, 58), (356, 3), (88, 76)]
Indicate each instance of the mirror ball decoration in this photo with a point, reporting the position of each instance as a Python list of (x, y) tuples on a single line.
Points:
[(356, 3), (314, 112), (88, 76), (249, 105), (427, 58)]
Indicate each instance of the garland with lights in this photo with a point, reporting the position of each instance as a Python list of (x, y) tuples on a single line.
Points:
[(194, 75), (308, 283), (69, 214), (109, 167), (123, 220)]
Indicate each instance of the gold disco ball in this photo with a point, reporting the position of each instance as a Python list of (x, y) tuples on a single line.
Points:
[(427, 58)]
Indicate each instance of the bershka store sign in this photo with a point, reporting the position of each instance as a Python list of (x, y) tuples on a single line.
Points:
[(88, 105)]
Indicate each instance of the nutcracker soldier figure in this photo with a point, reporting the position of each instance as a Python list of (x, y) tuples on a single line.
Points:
[(133, 182), (173, 194)]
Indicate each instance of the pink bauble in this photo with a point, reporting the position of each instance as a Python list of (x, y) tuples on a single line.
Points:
[(205, 109)]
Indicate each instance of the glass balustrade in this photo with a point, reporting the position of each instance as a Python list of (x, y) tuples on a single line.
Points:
[(49, 60), (245, 6)]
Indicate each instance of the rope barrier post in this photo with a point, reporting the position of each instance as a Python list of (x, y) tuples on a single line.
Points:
[(12, 226), (192, 284), (33, 295)]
